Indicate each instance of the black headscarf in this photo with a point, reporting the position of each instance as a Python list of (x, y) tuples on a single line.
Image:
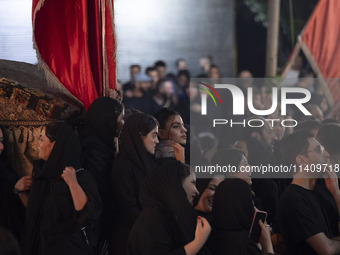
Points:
[(131, 140), (233, 207), (233, 210), (101, 119), (65, 152), (201, 185), (163, 188)]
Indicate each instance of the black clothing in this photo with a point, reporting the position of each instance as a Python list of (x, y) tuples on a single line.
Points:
[(265, 189), (155, 232), (127, 180), (207, 216), (201, 185), (145, 103), (233, 211), (97, 158), (301, 217), (259, 154), (202, 75), (52, 223), (133, 103), (328, 203), (12, 211), (237, 244), (168, 221), (183, 108), (282, 183), (132, 145), (128, 174), (128, 85), (98, 152), (101, 120)]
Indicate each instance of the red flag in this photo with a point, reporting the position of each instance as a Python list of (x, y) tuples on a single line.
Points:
[(75, 45), (321, 37), (319, 41)]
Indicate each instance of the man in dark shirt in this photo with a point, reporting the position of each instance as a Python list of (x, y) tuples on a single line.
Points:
[(303, 222)]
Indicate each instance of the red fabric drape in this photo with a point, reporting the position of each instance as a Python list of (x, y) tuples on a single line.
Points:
[(322, 38), (110, 45), (68, 37)]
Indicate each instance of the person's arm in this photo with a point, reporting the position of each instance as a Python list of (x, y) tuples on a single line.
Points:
[(78, 195), (323, 245), (23, 196), (201, 236), (23, 185), (265, 240)]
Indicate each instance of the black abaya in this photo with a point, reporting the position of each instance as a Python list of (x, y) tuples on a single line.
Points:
[(53, 226), (168, 221), (128, 174), (233, 210)]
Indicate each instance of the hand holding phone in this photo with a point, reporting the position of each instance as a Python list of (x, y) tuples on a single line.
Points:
[(255, 229)]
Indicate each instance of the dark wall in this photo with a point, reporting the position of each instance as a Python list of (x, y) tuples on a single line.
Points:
[(170, 29), (251, 42)]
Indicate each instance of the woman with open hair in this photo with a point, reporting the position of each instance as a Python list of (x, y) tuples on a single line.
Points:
[(172, 135)]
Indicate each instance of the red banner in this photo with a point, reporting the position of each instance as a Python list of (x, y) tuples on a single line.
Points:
[(75, 44), (322, 38)]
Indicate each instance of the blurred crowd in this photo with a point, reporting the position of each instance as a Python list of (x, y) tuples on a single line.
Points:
[(122, 183)]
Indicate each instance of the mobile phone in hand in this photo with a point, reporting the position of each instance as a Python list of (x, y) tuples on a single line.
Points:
[(255, 229)]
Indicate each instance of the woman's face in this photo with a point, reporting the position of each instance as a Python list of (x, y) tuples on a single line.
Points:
[(150, 140), (1, 141), (244, 171), (120, 122), (45, 145), (189, 186), (174, 130), (207, 198)]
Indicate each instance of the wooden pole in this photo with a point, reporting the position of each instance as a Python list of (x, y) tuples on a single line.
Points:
[(272, 37)]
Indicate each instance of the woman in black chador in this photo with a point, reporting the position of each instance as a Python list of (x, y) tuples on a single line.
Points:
[(169, 223), (233, 212), (103, 122), (204, 201), (63, 204), (135, 159)]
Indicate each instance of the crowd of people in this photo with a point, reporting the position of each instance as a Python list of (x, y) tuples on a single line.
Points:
[(122, 183)]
